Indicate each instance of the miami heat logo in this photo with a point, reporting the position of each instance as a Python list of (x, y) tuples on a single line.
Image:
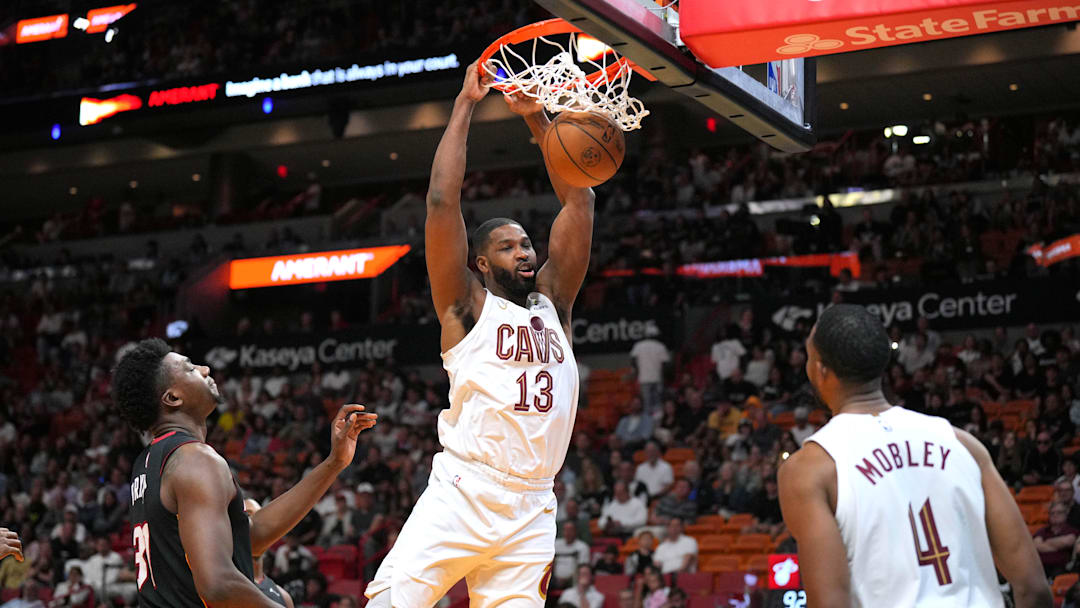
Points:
[(544, 580), (590, 157)]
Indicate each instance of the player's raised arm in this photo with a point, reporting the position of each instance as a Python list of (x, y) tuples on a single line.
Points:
[(1014, 552), (201, 482), (804, 481), (445, 240), (274, 520), (570, 243)]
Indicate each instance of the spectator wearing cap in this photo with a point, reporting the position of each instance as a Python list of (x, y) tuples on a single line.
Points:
[(583, 594), (1042, 464), (649, 357), (675, 505), (654, 472), (570, 552), (802, 429), (71, 516), (677, 552), (636, 427)]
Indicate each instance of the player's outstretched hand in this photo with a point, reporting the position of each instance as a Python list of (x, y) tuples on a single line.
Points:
[(350, 420), (522, 104), (10, 545), (476, 85)]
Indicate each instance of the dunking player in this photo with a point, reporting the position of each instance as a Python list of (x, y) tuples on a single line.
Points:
[(193, 542), (894, 508), (265, 584), (488, 513)]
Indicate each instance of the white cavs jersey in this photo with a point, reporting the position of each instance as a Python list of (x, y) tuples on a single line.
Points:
[(911, 510), (513, 390)]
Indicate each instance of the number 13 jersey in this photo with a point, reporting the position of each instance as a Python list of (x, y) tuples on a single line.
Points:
[(513, 390), (911, 511), (161, 564)]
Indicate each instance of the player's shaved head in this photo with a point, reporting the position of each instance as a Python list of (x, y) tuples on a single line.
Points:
[(852, 343), (481, 237)]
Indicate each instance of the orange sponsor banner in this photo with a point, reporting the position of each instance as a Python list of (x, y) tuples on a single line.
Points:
[(93, 111), (342, 265), (1058, 251), (100, 18), (41, 28), (726, 34)]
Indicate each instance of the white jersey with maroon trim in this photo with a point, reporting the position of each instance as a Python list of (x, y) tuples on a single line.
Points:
[(911, 510), (513, 390)]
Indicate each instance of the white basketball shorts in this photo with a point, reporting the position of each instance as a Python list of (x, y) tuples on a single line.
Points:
[(496, 531)]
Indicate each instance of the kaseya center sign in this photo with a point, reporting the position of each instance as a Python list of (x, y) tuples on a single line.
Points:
[(341, 265), (741, 33)]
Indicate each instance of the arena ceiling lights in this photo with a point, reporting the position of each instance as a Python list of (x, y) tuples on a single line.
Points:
[(319, 267)]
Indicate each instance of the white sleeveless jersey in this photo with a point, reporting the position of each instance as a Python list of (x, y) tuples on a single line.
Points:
[(513, 390), (911, 510)]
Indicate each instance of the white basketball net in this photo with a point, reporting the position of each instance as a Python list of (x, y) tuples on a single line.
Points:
[(561, 85)]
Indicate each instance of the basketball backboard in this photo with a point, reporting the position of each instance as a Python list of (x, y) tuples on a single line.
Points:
[(773, 101)]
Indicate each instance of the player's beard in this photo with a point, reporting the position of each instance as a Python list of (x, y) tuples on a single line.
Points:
[(515, 285)]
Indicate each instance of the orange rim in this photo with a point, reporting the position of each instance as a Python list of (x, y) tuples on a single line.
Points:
[(552, 27)]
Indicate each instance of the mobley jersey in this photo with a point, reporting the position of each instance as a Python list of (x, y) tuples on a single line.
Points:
[(161, 565), (911, 510), (513, 390)]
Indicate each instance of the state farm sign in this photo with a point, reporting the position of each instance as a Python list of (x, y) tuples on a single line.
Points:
[(725, 34)]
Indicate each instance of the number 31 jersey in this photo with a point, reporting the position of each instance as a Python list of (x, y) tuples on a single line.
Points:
[(911, 511), (162, 571), (513, 390)]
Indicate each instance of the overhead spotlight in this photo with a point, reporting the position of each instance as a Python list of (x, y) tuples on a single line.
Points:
[(73, 191), (927, 97), (888, 132), (815, 220), (844, 105), (195, 177), (81, 23), (1014, 87), (267, 105), (895, 345), (133, 184), (326, 162), (900, 130), (54, 133), (393, 156), (110, 34), (920, 139)]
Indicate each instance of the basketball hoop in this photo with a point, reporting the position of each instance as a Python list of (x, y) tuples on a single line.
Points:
[(555, 74)]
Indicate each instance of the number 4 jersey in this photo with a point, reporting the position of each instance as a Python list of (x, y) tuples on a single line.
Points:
[(911, 510), (513, 390), (161, 565)]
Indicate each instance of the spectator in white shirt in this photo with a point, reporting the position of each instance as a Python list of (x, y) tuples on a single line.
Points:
[(757, 370), (583, 594), (107, 572), (570, 551), (915, 354), (802, 428), (1035, 345), (677, 552), (726, 354), (71, 515), (655, 473), (73, 591), (624, 513), (649, 356)]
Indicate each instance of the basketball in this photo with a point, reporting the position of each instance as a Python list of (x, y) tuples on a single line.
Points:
[(584, 148)]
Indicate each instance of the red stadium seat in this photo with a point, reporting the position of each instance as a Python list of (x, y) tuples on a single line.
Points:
[(611, 583), (349, 586), (705, 601), (696, 583)]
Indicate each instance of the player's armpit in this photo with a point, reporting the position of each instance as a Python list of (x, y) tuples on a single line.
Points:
[(804, 501), (1014, 552), (203, 487)]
